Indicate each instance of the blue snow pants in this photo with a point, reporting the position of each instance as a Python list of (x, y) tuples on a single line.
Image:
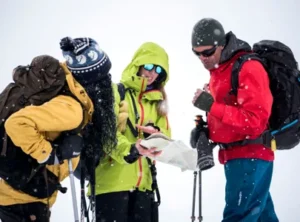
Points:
[(247, 193)]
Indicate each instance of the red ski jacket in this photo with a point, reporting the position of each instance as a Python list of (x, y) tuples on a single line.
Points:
[(245, 116)]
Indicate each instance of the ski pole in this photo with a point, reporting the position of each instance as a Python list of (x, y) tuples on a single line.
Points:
[(75, 209), (194, 197), (200, 196)]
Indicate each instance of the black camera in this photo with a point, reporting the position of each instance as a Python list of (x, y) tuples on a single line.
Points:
[(199, 140)]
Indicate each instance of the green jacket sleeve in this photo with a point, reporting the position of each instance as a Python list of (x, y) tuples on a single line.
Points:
[(123, 149), (163, 124)]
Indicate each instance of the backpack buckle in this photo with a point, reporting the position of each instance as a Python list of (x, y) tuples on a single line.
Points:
[(266, 138), (223, 146)]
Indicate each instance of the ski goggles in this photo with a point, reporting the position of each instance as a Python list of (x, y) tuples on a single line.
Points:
[(150, 67), (207, 52)]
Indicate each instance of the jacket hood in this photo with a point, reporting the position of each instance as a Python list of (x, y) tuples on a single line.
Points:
[(232, 47), (148, 52)]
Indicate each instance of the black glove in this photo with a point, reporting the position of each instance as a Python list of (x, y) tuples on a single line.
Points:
[(65, 147), (133, 154), (150, 124), (195, 133), (204, 101), (201, 125), (205, 152)]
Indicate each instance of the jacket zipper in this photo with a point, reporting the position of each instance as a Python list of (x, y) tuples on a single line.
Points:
[(140, 176)]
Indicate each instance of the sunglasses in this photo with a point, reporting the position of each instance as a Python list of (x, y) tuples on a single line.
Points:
[(150, 67), (207, 52)]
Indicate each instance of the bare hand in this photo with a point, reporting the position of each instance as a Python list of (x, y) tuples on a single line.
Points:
[(147, 129), (196, 95), (206, 87), (152, 152)]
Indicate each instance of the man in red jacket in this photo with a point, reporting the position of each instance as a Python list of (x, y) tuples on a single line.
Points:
[(248, 168)]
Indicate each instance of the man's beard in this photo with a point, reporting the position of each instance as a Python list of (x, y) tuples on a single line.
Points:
[(210, 65)]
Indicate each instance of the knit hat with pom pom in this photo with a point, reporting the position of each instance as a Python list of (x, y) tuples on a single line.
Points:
[(87, 62)]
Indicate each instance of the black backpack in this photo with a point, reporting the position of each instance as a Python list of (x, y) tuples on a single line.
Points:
[(282, 68), (34, 84)]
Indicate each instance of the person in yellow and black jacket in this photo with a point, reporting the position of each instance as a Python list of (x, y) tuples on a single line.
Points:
[(124, 180), (47, 132), (45, 102)]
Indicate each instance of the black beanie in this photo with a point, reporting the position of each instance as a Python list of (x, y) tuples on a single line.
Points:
[(208, 32)]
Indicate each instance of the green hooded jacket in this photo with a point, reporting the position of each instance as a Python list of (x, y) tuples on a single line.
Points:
[(114, 174)]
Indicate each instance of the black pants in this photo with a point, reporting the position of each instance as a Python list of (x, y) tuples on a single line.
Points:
[(25, 213), (124, 206)]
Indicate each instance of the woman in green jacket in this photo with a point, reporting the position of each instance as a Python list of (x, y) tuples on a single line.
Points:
[(124, 181)]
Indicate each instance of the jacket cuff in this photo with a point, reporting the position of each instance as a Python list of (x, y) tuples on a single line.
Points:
[(133, 155), (44, 154), (217, 110), (51, 159)]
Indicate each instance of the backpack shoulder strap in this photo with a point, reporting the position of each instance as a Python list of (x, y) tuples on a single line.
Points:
[(237, 66), (154, 179), (121, 89)]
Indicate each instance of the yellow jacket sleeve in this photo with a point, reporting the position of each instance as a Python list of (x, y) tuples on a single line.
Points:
[(27, 127)]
